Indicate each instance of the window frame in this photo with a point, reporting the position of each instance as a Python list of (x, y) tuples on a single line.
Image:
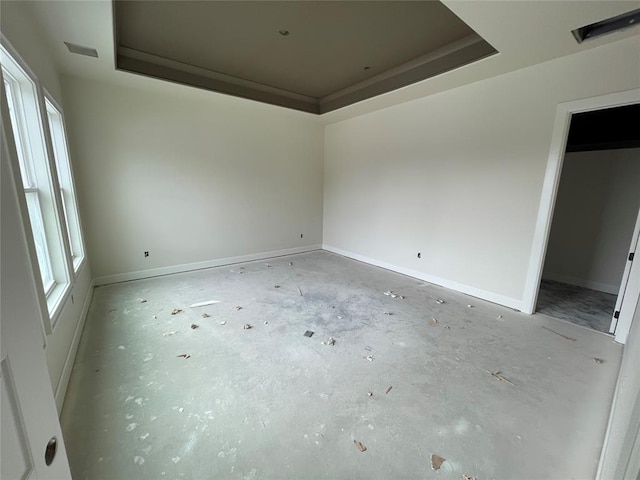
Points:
[(43, 180), (70, 211)]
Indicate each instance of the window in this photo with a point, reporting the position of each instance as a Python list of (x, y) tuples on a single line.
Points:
[(39, 183), (65, 179), (16, 114)]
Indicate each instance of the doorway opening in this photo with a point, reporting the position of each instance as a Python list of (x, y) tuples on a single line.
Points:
[(594, 218)]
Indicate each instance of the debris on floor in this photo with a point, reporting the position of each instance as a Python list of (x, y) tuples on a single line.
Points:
[(571, 339), (439, 301), (433, 322), (499, 376), (388, 389), (360, 446), (291, 264), (176, 311), (223, 322), (266, 323), (598, 360), (499, 317), (276, 286), (184, 355), (142, 300), (155, 317), (330, 342), (369, 393), (268, 266), (194, 326), (238, 307), (308, 333), (469, 306), (168, 334), (205, 315), (388, 313), (246, 326), (204, 304), (389, 293), (468, 477), (300, 292), (436, 461), (369, 357)]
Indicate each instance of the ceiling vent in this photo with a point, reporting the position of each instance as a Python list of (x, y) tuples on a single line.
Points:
[(80, 50), (609, 25)]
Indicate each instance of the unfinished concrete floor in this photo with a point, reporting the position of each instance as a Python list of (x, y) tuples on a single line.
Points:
[(269, 402)]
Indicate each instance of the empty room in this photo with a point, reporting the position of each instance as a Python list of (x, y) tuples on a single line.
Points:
[(320, 239)]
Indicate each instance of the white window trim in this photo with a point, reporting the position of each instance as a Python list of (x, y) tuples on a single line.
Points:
[(77, 262), (51, 302)]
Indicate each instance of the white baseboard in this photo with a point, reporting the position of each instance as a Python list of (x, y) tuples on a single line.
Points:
[(579, 282), (188, 267), (466, 289), (63, 383)]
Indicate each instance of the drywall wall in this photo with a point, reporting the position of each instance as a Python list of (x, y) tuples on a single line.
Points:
[(17, 25), (457, 176), (594, 217), (192, 177), (19, 29)]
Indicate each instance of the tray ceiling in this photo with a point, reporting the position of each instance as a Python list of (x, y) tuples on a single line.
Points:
[(314, 56)]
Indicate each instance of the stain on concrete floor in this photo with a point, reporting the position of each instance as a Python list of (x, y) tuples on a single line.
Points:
[(268, 402)]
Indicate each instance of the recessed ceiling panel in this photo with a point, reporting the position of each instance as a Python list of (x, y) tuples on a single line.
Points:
[(314, 56)]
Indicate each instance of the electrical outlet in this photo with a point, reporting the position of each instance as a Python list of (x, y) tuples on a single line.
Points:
[(419, 255), (146, 254)]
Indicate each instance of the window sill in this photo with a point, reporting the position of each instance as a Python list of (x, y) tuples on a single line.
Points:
[(55, 302), (78, 263)]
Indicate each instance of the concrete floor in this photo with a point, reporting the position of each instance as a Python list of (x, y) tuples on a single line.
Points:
[(269, 402), (578, 305)]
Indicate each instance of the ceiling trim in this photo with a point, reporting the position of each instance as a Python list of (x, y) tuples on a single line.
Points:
[(175, 75), (204, 72), (445, 59), (450, 57)]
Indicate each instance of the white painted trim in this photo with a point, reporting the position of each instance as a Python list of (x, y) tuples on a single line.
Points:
[(188, 267), (459, 287), (580, 282), (63, 383), (552, 180), (629, 304), (625, 275)]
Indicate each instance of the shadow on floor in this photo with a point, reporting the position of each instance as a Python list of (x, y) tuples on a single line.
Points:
[(578, 305)]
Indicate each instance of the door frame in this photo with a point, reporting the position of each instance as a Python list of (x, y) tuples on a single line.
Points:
[(621, 320), (551, 182)]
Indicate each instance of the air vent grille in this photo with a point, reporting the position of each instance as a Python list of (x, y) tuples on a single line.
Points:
[(610, 25), (80, 50)]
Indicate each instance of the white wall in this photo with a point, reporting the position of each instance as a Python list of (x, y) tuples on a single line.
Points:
[(595, 213), (61, 346), (458, 175), (191, 176)]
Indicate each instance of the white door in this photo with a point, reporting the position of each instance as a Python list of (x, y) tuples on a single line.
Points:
[(29, 420), (621, 321)]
